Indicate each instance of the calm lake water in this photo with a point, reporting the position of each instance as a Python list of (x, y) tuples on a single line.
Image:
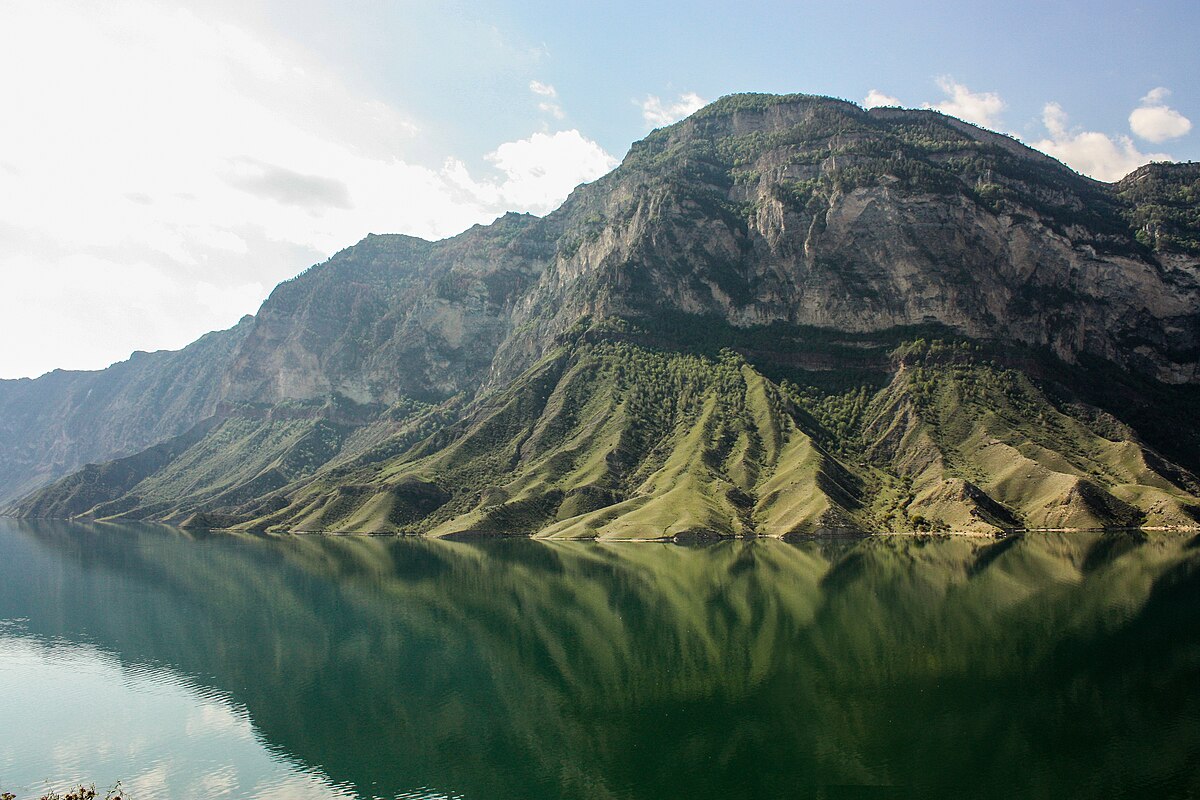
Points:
[(217, 665)]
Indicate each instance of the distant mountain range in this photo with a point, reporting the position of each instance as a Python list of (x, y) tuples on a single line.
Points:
[(782, 314)]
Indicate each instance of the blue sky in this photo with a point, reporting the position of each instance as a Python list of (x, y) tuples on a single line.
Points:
[(168, 161), (1095, 59)]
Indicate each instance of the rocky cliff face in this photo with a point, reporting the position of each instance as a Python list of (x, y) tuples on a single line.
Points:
[(810, 236), (55, 424), (815, 212), (392, 317)]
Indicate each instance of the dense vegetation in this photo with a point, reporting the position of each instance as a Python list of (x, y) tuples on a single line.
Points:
[(1164, 206)]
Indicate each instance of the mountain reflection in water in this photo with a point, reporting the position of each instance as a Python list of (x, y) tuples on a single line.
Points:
[(1043, 665)]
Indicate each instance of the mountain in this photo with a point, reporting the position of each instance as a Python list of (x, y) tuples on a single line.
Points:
[(55, 424), (780, 314)]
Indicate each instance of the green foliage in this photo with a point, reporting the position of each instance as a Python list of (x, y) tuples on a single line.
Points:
[(932, 352), (1164, 206), (838, 415), (81, 792), (620, 433), (1163, 415), (829, 360)]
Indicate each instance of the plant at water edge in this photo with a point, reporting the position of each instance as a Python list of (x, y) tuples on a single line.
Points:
[(80, 793)]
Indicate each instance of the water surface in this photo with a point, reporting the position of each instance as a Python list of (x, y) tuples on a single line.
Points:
[(218, 665)]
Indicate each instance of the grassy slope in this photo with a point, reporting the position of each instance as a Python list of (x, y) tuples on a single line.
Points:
[(979, 447), (209, 476), (616, 440), (240, 460), (609, 440), (79, 492)]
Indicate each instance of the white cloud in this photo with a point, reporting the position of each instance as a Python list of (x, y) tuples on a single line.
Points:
[(657, 114), (1157, 122), (550, 104), (876, 98), (538, 172), (980, 108), (163, 171), (1096, 154)]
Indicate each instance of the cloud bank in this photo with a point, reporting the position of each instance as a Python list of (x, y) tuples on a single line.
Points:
[(1107, 158), (538, 172), (981, 108), (1155, 121), (657, 113), (876, 98)]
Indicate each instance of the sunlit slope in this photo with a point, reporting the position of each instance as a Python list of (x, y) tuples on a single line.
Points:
[(975, 446), (216, 464), (606, 440), (611, 439)]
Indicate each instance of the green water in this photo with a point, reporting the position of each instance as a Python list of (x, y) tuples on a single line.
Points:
[(222, 665)]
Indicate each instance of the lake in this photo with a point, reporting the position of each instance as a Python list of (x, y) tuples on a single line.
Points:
[(193, 665)]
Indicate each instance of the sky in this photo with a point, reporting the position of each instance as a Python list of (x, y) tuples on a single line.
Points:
[(164, 164)]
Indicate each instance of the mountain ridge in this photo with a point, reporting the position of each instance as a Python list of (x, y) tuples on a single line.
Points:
[(815, 239)]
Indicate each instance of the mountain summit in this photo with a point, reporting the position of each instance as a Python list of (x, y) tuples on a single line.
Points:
[(780, 314)]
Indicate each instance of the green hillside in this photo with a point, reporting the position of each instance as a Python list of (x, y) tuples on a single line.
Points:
[(614, 438)]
